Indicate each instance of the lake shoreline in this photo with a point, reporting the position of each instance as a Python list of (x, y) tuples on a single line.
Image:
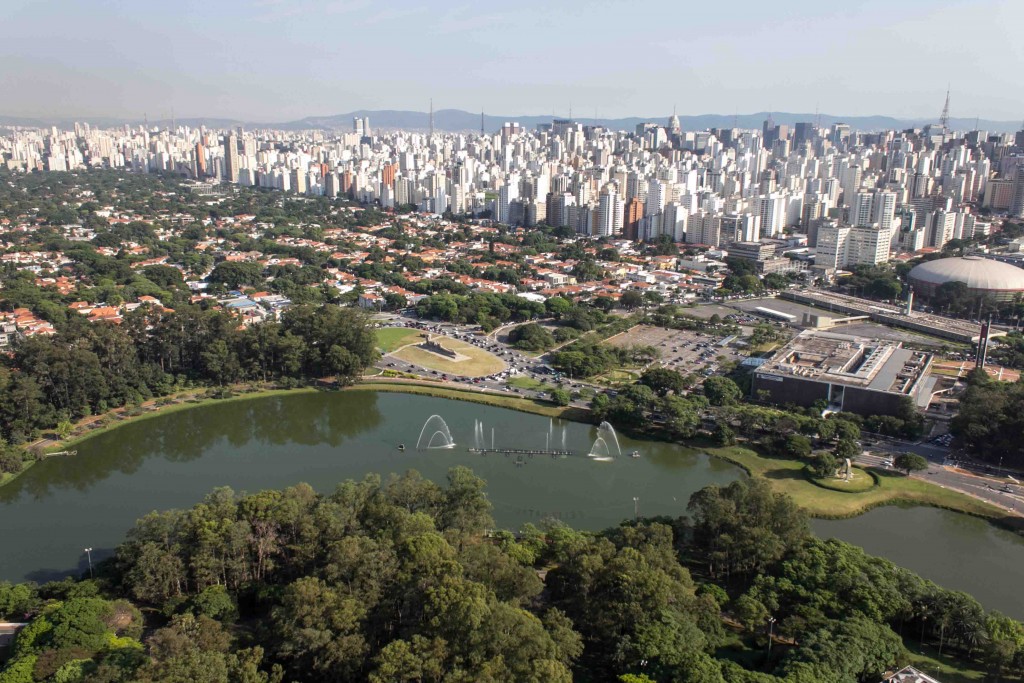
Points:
[(784, 475)]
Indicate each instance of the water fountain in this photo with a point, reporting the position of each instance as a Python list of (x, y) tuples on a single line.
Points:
[(435, 429), (599, 451), (604, 431), (479, 441)]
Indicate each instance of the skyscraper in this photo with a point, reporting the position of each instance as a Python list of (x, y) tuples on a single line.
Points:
[(231, 158), (200, 152), (1017, 203), (631, 223), (609, 213), (885, 210), (860, 209)]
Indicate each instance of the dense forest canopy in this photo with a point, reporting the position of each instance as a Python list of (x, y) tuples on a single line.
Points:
[(403, 580), (989, 424), (88, 368)]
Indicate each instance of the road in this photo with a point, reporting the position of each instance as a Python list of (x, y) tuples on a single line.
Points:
[(943, 472)]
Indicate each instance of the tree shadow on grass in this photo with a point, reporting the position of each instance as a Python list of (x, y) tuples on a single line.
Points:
[(785, 474)]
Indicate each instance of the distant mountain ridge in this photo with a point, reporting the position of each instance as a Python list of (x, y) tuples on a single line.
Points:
[(456, 120)]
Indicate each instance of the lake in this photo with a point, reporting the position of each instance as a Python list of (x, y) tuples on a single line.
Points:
[(63, 505), (950, 548)]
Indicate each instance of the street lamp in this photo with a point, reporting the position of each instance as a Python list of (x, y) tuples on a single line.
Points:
[(88, 554), (771, 628)]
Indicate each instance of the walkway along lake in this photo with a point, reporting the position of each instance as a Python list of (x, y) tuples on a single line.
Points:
[(62, 505)]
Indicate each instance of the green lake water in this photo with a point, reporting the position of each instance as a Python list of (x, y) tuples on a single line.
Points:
[(62, 505)]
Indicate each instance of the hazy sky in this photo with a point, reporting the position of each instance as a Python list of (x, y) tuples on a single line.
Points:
[(277, 60)]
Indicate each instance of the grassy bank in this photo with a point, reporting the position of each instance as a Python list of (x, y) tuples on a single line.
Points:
[(787, 476), (8, 477)]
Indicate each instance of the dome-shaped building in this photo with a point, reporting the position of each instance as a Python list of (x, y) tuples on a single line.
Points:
[(983, 277)]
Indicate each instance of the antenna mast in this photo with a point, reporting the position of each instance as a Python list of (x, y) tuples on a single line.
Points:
[(944, 117), (481, 123), (431, 117)]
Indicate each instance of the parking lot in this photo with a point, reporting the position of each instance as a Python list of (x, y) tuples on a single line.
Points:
[(685, 351), (522, 374), (797, 310)]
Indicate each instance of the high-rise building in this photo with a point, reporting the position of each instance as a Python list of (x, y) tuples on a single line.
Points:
[(609, 213), (200, 153), (631, 222), (1017, 203), (885, 210), (387, 175), (831, 249), (231, 158), (508, 193), (860, 208)]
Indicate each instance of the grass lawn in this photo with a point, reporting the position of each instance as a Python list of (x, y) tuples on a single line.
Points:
[(860, 481), (391, 338), (477, 364), (787, 476), (618, 377), (946, 669)]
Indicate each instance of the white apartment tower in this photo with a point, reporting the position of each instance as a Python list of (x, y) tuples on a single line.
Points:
[(609, 213)]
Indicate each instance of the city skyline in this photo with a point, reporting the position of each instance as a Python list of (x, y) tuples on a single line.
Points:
[(274, 61)]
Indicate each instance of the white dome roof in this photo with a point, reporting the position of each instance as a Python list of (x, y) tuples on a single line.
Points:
[(975, 271)]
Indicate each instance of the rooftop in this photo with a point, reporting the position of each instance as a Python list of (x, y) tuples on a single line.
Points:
[(909, 674), (852, 361)]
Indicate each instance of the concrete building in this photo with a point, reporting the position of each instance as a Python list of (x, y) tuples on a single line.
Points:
[(855, 374)]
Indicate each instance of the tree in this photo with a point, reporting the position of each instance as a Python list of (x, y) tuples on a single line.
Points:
[(234, 274), (531, 337), (910, 462), (721, 391), (824, 465), (394, 302), (560, 397), (744, 526), (723, 434), (631, 299), (663, 381), (319, 631), (557, 306), (847, 448), (797, 446), (64, 428), (11, 460)]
